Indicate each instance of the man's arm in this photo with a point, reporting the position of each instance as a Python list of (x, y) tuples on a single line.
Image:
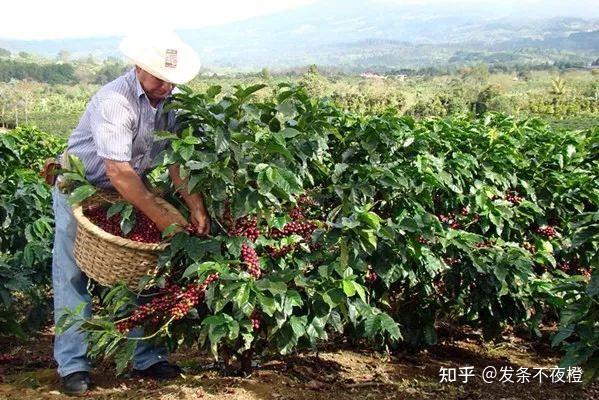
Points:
[(199, 216), (126, 181)]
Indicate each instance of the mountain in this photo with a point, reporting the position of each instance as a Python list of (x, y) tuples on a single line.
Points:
[(382, 32)]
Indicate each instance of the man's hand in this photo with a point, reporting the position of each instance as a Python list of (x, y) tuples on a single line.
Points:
[(168, 218), (199, 216), (200, 221), (126, 181)]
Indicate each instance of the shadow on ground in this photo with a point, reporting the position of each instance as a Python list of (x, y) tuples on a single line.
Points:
[(336, 372)]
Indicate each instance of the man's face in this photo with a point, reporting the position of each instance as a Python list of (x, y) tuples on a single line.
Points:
[(156, 89)]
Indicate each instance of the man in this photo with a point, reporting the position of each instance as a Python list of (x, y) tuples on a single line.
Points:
[(115, 141)]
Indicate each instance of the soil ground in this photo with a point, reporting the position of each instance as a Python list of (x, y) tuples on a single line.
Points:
[(336, 372)]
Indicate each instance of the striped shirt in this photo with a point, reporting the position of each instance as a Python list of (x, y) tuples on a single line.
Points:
[(119, 124)]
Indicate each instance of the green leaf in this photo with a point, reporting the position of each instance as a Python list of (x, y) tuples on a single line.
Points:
[(252, 89), (213, 91), (371, 239), (221, 142), (585, 235), (278, 148), (298, 325), (272, 287), (334, 297), (124, 356), (192, 183), (242, 296), (186, 151), (196, 269), (165, 135), (289, 133), (278, 222), (371, 326), (115, 209), (127, 225), (593, 287), (195, 248), (169, 230), (360, 290), (267, 304), (564, 333), (81, 193), (371, 219), (70, 177), (76, 164), (388, 324), (286, 340), (294, 298), (286, 180), (233, 328), (348, 287)]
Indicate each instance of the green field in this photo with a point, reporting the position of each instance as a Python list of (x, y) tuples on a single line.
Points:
[(567, 99)]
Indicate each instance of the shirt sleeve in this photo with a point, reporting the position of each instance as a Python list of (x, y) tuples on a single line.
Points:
[(112, 129)]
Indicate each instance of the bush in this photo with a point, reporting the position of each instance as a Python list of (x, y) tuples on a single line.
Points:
[(25, 226), (371, 227), (48, 73)]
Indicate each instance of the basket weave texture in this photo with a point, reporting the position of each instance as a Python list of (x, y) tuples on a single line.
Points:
[(110, 259)]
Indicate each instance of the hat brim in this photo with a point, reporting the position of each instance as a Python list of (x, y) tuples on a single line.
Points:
[(188, 63)]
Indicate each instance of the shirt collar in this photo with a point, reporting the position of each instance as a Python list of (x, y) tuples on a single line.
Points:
[(139, 91)]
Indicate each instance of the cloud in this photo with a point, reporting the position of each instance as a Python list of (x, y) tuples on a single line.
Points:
[(29, 19)]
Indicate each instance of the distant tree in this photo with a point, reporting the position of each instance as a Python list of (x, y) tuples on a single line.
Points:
[(489, 93), (314, 82), (479, 74), (63, 56), (428, 108), (524, 75), (109, 72), (558, 87), (4, 52), (48, 73), (23, 54), (113, 60), (265, 74), (90, 59), (595, 63)]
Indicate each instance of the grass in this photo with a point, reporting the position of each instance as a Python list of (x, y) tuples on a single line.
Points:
[(67, 103), (575, 123)]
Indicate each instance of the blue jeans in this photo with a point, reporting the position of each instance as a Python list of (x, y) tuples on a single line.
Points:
[(70, 290)]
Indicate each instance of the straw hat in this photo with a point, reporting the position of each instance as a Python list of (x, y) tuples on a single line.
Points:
[(163, 55)]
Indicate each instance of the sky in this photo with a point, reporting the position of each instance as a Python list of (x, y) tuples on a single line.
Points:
[(56, 19)]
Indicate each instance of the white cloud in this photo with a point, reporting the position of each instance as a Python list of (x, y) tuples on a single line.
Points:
[(300, 30), (55, 19), (29, 19)]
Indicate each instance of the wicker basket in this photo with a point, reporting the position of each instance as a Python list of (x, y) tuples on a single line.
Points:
[(110, 259)]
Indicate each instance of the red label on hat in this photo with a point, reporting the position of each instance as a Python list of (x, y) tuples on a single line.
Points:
[(170, 60)]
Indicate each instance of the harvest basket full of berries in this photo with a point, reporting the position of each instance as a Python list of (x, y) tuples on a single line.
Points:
[(107, 255)]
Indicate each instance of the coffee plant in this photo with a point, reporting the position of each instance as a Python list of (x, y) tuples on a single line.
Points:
[(262, 282), (330, 223), (26, 228)]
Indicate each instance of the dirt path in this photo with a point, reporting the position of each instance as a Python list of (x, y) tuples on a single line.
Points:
[(333, 374)]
